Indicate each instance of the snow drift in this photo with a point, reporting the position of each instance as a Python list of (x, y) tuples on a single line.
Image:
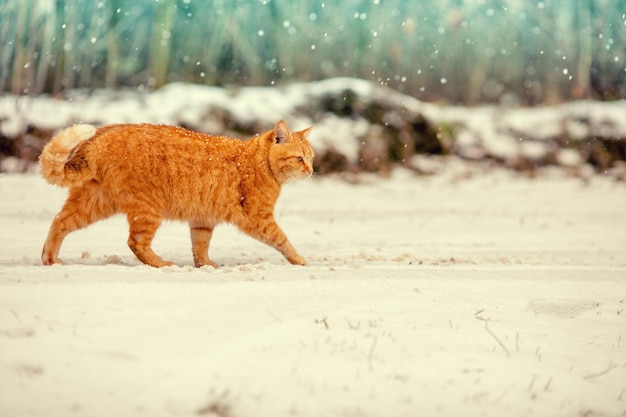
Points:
[(359, 125)]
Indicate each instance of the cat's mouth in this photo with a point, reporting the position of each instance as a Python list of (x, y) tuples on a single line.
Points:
[(302, 175)]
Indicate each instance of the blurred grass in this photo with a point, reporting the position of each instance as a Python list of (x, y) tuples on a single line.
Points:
[(461, 51)]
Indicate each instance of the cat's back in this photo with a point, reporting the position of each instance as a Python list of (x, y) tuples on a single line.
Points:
[(127, 137), (169, 146)]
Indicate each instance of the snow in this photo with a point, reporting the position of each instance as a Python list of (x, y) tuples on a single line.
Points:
[(335, 133), (346, 113), (471, 292), (475, 291)]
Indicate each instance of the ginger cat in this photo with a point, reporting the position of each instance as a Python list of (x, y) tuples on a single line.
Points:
[(152, 173)]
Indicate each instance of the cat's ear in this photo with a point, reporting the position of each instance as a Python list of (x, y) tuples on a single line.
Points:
[(282, 134), (305, 133)]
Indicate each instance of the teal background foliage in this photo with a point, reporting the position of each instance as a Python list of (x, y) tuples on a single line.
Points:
[(459, 51)]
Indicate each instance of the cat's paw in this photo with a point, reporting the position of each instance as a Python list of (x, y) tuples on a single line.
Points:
[(48, 258), (205, 262), (297, 260)]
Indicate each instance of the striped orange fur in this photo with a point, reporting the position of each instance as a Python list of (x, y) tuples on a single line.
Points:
[(152, 173)]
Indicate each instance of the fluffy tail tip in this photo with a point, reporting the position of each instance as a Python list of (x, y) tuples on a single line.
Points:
[(71, 136)]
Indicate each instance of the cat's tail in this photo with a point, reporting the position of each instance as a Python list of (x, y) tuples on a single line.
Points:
[(64, 161)]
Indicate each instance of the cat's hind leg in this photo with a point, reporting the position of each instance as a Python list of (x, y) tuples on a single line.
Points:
[(143, 227), (85, 205), (200, 239)]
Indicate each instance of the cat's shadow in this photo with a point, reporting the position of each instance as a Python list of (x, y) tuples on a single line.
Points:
[(225, 264)]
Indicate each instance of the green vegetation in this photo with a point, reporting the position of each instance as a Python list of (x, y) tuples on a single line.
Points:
[(461, 51)]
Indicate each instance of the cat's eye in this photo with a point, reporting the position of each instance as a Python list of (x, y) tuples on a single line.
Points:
[(300, 159)]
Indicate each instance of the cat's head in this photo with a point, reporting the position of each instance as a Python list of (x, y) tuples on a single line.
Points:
[(290, 154)]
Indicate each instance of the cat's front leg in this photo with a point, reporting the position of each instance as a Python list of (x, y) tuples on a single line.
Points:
[(268, 232), (296, 260), (200, 239)]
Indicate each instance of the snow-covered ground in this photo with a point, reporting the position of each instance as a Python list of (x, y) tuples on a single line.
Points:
[(467, 293)]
